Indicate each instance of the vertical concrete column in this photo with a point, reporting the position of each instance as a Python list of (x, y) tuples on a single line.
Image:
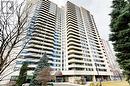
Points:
[(110, 77), (94, 78)]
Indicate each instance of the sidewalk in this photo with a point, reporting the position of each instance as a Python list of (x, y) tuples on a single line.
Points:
[(109, 83)]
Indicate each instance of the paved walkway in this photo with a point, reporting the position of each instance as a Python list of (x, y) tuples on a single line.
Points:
[(66, 84), (109, 83)]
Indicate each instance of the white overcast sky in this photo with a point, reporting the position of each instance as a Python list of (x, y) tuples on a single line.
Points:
[(99, 8)]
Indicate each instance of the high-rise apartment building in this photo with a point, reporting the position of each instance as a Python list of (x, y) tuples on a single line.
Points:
[(71, 40), (113, 65), (44, 33), (84, 52)]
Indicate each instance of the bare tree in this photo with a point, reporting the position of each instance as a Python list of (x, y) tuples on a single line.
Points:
[(13, 25), (45, 75)]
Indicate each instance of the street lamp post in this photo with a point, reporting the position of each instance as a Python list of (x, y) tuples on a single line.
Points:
[(98, 73)]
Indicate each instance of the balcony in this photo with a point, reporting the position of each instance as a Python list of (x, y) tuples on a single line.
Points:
[(75, 55), (72, 47), (76, 66), (75, 61), (74, 51)]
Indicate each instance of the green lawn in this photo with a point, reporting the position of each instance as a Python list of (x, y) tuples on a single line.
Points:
[(115, 83)]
